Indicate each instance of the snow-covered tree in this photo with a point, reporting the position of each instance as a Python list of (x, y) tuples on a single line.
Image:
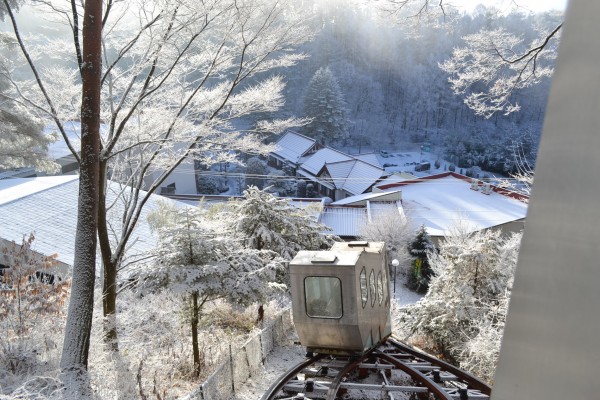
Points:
[(194, 259), (395, 230), (28, 287), (22, 140), (467, 300), (496, 63), (175, 78), (324, 103), (420, 272), (301, 188), (266, 222), (280, 184)]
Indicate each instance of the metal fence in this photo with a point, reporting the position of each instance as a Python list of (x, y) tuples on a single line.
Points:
[(243, 362)]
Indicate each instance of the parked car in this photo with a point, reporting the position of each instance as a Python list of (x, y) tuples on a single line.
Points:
[(424, 166)]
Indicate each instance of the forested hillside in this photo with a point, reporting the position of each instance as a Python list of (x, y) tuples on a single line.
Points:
[(388, 67)]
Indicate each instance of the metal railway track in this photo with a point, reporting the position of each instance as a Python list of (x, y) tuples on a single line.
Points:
[(392, 370)]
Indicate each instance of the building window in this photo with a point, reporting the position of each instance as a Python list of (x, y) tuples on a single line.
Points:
[(169, 189), (323, 296)]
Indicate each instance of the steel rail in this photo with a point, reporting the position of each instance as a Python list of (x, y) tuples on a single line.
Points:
[(417, 375), (278, 385), (470, 380), (335, 384), (431, 375)]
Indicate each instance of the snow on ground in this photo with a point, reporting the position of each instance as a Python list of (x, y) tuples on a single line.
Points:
[(404, 296), (285, 357)]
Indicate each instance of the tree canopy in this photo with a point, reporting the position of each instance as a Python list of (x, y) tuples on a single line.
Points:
[(324, 103)]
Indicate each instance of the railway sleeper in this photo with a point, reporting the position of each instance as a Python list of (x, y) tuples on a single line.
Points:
[(317, 390)]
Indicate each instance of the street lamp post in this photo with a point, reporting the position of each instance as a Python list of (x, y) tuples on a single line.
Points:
[(395, 263)]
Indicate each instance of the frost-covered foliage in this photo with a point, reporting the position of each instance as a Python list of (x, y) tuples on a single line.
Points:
[(195, 260), (420, 272), (395, 230), (22, 140), (193, 256), (524, 172), (177, 77), (496, 63), (31, 310), (325, 104), (266, 222), (28, 288), (464, 311)]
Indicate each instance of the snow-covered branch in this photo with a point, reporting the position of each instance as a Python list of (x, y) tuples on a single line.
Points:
[(495, 63)]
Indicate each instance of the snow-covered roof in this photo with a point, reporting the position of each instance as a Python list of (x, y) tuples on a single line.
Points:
[(344, 221), (292, 146), (18, 188), (47, 206), (354, 176), (315, 163), (370, 158), (396, 178), (350, 220), (441, 201)]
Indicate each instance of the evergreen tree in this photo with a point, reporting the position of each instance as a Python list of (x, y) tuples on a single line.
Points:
[(325, 104), (420, 272), (269, 223), (194, 259)]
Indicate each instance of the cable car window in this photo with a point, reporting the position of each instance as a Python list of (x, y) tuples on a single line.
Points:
[(323, 296), (364, 294), (380, 287), (372, 287)]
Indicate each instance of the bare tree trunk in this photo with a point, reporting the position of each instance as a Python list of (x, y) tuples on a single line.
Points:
[(194, 323), (109, 264), (74, 361)]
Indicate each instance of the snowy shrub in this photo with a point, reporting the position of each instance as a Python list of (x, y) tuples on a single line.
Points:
[(206, 185), (466, 304), (278, 182), (31, 304), (301, 188), (310, 191), (228, 318), (256, 169), (28, 288), (452, 168)]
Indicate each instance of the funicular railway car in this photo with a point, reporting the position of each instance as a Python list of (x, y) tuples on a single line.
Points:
[(340, 297)]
